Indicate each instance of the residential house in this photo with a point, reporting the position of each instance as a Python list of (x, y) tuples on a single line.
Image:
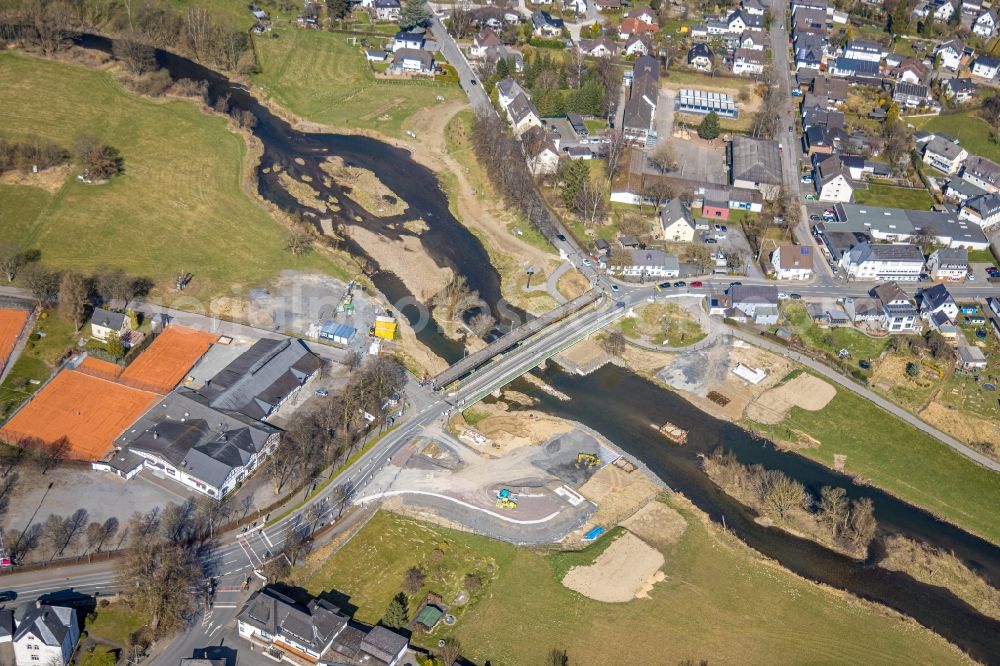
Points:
[(910, 70), (700, 57), (715, 27), (494, 54), (744, 199), (986, 24), (899, 315), (910, 95), (602, 47), (854, 68), (387, 10), (948, 264), (508, 90), (951, 53), (983, 173), (860, 49), (704, 102), (541, 152), (637, 45), (579, 7), (642, 13), (752, 40), (739, 21), (959, 91), (411, 40), (372, 55), (792, 262), (944, 155), (832, 91), (545, 25), (808, 56), (754, 7), (632, 26), (522, 115), (650, 263), (819, 141), (984, 210), (942, 10), (971, 8), (413, 61), (809, 19), (699, 32), (748, 61), (482, 41), (46, 635), (959, 190), (985, 67), (883, 262), (637, 120), (833, 181), (105, 322), (756, 303), (608, 5), (935, 300), (755, 164), (676, 222), (715, 203), (315, 633)]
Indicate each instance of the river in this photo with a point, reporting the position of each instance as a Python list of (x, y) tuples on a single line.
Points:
[(301, 154), (625, 421)]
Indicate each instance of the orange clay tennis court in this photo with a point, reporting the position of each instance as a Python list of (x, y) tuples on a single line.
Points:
[(11, 323), (91, 412), (167, 360)]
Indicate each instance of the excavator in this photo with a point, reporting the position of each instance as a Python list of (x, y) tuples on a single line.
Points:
[(587, 460), (505, 500)]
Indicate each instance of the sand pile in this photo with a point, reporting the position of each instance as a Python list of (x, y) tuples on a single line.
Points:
[(805, 391), (622, 572)]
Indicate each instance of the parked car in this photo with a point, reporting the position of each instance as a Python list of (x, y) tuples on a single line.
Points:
[(615, 288), (322, 392), (697, 283), (10, 595), (587, 262), (810, 197), (663, 285), (815, 218), (680, 283), (807, 179), (711, 241), (782, 296), (735, 284), (781, 148), (795, 297), (561, 237), (796, 92)]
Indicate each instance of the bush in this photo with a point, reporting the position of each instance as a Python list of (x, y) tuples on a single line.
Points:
[(190, 88), (547, 43)]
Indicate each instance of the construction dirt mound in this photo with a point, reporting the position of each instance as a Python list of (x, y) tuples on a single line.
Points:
[(621, 573), (657, 524), (805, 391)]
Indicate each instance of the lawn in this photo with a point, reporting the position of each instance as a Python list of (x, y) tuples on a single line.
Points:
[(114, 624), (891, 196), (900, 459), (319, 76), (666, 323), (178, 206), (709, 607), (231, 12), (982, 257), (830, 340), (50, 339), (973, 133)]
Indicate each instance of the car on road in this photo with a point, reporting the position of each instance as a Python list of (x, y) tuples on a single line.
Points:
[(970, 277), (473, 82), (587, 262), (663, 285), (796, 93), (781, 148), (561, 237), (9, 595), (735, 284), (795, 297), (815, 218), (322, 392), (697, 283), (790, 129), (810, 197), (807, 179), (782, 296), (680, 283), (615, 288)]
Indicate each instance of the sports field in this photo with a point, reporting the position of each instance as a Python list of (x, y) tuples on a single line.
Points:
[(168, 358), (90, 412), (11, 323)]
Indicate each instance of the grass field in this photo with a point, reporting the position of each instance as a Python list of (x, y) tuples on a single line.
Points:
[(178, 204), (900, 459), (830, 340), (114, 624), (319, 76), (230, 12), (709, 607), (894, 197), (973, 133)]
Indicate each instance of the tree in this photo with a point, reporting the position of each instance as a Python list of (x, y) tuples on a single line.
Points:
[(114, 345), (663, 157), (450, 651), (12, 258), (99, 533), (709, 127), (913, 369), (49, 454), (833, 509), (783, 494), (862, 522), (139, 58), (414, 579), (414, 13), (397, 614), (558, 657), (43, 283), (573, 173), (482, 323), (99, 160), (159, 580), (337, 9), (455, 298), (616, 148), (72, 298), (614, 343)]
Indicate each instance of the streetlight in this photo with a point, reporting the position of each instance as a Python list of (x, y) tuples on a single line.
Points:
[(531, 271)]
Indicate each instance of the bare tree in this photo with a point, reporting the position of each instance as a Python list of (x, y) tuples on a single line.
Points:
[(663, 157), (455, 298), (481, 324), (72, 298), (49, 454), (144, 526), (179, 522), (298, 243), (159, 580), (833, 509), (139, 58), (12, 258), (21, 544), (862, 522), (782, 494), (99, 533), (450, 651), (614, 343), (617, 148), (214, 512), (414, 579), (42, 282)]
